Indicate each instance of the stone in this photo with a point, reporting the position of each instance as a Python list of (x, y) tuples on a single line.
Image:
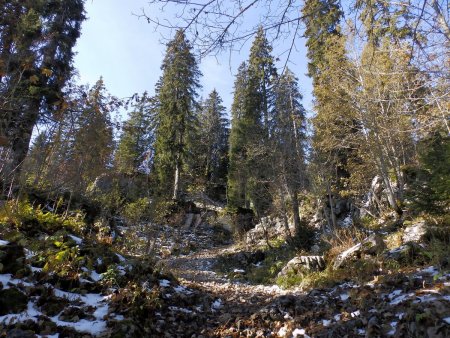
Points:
[(188, 220), (414, 232), (303, 264), (372, 245), (18, 333)]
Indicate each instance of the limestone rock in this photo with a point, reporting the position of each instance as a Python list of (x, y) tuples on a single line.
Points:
[(372, 245), (414, 232), (303, 263)]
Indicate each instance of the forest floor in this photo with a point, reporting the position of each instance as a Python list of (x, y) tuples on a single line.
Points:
[(56, 281), (404, 304)]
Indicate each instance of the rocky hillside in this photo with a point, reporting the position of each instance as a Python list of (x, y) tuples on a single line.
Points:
[(62, 278)]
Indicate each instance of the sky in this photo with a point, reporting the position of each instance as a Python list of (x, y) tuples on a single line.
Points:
[(127, 52)]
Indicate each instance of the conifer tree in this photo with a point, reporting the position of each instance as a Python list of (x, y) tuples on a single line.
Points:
[(289, 137), (252, 119), (333, 122), (237, 174), (177, 103), (213, 147), (135, 148), (36, 42)]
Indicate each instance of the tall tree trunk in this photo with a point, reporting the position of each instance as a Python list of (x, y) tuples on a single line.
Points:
[(176, 183), (20, 143)]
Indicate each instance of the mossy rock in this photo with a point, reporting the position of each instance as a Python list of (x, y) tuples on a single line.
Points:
[(12, 301), (51, 305), (18, 333), (12, 257)]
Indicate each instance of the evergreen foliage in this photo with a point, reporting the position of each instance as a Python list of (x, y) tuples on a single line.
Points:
[(176, 114), (36, 53), (135, 149), (213, 145)]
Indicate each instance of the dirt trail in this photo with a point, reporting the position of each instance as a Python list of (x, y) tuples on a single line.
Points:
[(237, 309), (232, 300)]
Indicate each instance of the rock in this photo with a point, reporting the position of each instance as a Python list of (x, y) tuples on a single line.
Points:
[(18, 333), (302, 264), (372, 245), (188, 220), (404, 253), (414, 232), (268, 228), (12, 301), (12, 257)]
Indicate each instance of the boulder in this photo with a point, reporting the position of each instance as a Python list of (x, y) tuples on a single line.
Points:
[(270, 228), (303, 264), (372, 245), (414, 232)]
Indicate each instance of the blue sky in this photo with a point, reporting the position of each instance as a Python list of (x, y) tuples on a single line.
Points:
[(128, 52)]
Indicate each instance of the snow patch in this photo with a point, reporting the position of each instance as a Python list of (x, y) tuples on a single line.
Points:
[(217, 304), (3, 243), (164, 283), (76, 239), (6, 279), (344, 296), (355, 313), (299, 332), (121, 258), (182, 289), (326, 322), (179, 309), (238, 271)]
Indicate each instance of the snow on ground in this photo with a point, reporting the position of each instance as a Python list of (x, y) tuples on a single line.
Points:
[(3, 243), (76, 239), (164, 283), (217, 304), (6, 279), (96, 301)]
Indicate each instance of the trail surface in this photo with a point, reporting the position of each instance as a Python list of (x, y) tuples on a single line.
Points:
[(385, 309)]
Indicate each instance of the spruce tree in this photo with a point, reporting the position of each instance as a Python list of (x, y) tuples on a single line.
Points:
[(213, 147), (252, 120), (36, 39), (237, 174), (289, 137), (333, 122), (177, 103), (135, 148)]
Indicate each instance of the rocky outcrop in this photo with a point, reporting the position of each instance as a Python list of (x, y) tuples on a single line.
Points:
[(372, 245), (268, 228), (303, 264), (414, 232)]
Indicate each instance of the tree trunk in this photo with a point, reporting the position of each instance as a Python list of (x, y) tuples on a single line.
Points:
[(330, 199), (20, 142), (284, 215), (176, 183)]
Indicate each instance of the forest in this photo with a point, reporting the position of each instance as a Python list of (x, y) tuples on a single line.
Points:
[(192, 219)]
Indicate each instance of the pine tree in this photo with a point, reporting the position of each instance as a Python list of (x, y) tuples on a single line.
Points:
[(177, 104), (80, 146), (93, 145)]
